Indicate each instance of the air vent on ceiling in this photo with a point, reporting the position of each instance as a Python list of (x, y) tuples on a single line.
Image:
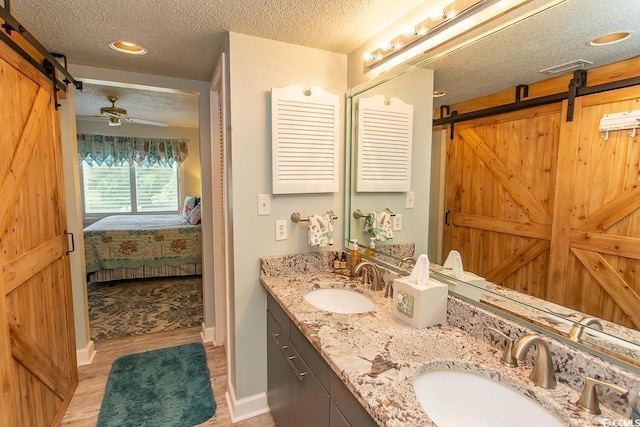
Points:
[(572, 65)]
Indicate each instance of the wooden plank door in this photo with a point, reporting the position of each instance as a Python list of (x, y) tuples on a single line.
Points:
[(499, 185), (549, 208), (38, 371), (601, 276)]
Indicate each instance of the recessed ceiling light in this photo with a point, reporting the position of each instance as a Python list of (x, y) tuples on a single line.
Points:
[(127, 47), (439, 93), (610, 38)]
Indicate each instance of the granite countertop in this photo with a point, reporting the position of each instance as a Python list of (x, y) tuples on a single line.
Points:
[(376, 355)]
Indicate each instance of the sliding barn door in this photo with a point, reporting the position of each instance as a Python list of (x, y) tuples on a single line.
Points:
[(37, 350), (501, 174), (597, 264), (549, 208)]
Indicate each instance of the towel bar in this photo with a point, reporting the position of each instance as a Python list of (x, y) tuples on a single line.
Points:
[(295, 217), (357, 214)]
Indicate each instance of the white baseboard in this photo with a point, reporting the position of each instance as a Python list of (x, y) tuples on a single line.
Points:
[(249, 407), (86, 355), (207, 334)]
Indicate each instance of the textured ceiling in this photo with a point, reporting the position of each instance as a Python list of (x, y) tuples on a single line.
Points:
[(183, 38), (556, 36)]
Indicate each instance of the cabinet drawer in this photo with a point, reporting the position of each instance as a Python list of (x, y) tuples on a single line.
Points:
[(308, 352), (278, 314)]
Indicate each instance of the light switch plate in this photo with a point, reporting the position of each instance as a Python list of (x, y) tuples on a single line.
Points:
[(397, 222), (409, 200), (264, 204)]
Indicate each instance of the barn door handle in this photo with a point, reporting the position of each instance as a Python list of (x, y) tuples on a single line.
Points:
[(446, 217), (73, 243)]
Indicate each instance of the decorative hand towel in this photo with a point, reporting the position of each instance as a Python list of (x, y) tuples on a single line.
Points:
[(320, 230), (384, 226), (370, 223)]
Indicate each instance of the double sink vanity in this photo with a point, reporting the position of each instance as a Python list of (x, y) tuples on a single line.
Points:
[(349, 359)]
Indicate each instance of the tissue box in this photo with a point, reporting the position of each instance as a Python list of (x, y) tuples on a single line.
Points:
[(420, 306), (472, 292)]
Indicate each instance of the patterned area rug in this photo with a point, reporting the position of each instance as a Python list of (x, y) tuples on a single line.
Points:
[(142, 306)]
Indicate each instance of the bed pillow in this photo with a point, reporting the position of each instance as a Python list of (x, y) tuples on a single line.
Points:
[(189, 203), (194, 216)]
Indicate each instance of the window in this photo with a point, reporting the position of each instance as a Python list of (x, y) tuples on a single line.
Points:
[(129, 188)]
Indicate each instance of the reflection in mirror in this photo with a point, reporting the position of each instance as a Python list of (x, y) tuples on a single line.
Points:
[(486, 213), (414, 89)]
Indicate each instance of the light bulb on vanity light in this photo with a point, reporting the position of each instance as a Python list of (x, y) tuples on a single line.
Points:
[(422, 31), (450, 14), (409, 31), (368, 56), (386, 45)]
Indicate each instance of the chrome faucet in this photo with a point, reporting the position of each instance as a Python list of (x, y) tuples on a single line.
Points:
[(370, 275), (575, 334), (542, 373), (589, 398)]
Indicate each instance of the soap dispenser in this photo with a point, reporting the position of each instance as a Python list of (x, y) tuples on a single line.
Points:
[(354, 258), (371, 250)]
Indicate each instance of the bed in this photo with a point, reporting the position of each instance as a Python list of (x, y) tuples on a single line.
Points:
[(138, 246)]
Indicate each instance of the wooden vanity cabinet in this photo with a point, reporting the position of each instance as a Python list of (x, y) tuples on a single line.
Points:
[(301, 387), (295, 396)]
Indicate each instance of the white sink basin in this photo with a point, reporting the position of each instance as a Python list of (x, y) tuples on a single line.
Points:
[(339, 300), (460, 398)]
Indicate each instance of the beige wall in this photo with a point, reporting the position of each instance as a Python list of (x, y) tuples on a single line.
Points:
[(191, 176)]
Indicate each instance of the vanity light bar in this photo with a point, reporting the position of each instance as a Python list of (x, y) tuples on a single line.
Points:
[(407, 45)]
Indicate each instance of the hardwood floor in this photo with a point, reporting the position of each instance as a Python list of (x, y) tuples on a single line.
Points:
[(85, 405)]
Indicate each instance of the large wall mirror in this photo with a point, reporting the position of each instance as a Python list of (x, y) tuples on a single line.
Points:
[(513, 55)]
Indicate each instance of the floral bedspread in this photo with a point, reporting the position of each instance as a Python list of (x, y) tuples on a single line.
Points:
[(133, 241)]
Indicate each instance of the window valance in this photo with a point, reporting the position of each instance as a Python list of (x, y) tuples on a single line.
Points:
[(116, 150)]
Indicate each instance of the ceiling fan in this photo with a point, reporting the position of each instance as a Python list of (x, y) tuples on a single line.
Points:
[(117, 115)]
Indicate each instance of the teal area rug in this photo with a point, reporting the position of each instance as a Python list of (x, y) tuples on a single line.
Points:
[(169, 387)]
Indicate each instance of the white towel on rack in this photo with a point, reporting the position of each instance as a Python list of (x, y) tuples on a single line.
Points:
[(320, 230)]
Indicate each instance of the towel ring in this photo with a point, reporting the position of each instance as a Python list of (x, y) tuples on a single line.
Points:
[(296, 217)]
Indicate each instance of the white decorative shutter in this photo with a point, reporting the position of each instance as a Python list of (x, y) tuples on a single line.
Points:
[(385, 134), (304, 140)]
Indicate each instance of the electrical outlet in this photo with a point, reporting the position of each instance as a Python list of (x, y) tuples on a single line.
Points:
[(397, 222), (409, 201), (264, 204), (281, 229)]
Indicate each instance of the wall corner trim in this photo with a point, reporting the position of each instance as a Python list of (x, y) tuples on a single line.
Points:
[(248, 407), (208, 335), (86, 355)]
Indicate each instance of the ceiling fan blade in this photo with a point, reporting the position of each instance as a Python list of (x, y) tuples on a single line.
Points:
[(147, 122), (93, 118)]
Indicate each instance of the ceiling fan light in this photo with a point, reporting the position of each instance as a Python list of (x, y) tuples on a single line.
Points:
[(124, 46), (114, 121)]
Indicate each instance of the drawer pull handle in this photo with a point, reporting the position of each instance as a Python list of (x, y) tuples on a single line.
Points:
[(275, 338), (299, 374)]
